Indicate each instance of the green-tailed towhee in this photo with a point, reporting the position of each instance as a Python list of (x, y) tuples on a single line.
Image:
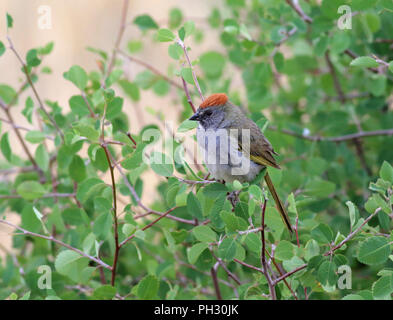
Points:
[(234, 147)]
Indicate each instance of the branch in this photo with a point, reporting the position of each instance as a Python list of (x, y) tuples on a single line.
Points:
[(352, 234), (283, 277), (151, 68), (115, 223), (147, 226), (123, 25), (215, 282), (263, 257), (181, 44), (222, 264), (295, 5), (48, 195), (336, 82), (26, 71), (364, 134), (61, 243)]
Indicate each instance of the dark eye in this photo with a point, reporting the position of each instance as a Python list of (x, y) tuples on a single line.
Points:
[(208, 113)]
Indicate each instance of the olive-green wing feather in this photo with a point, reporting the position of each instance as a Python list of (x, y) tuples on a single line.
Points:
[(261, 151)]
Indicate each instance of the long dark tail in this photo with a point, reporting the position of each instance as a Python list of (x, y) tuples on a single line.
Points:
[(279, 205)]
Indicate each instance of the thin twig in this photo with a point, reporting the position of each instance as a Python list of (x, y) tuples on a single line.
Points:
[(263, 257), (123, 24), (28, 77), (151, 68), (213, 272), (182, 45), (147, 226), (115, 222), (61, 243), (48, 195), (352, 234), (283, 277), (352, 136)]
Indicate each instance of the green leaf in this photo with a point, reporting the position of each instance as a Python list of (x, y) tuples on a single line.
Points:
[(187, 125), (186, 73), (71, 264), (214, 190), (365, 62), (77, 169), (102, 225), (161, 164), (78, 106), (284, 250), (386, 172), (204, 234), (31, 58), (2, 48), (131, 89), (253, 242), (88, 243), (374, 250), (148, 288), (161, 87), (10, 21), (212, 64), (175, 18), (387, 4), (35, 136), (189, 28), (194, 207), (322, 233), (352, 297), (175, 51), (105, 292), (165, 35), (42, 157), (352, 212), (7, 93), (30, 190), (319, 188), (227, 249), (383, 288), (312, 249), (327, 273), (363, 4), (28, 110), (114, 108), (47, 49), (134, 46), (145, 22), (5, 147), (195, 251), (77, 76)]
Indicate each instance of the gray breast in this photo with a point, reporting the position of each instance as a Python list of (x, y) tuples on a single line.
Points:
[(222, 156)]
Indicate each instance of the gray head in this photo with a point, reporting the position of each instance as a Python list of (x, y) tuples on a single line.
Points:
[(211, 113)]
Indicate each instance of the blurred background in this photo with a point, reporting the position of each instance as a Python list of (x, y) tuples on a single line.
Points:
[(77, 25)]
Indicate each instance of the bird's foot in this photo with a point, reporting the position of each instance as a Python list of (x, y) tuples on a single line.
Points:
[(233, 197)]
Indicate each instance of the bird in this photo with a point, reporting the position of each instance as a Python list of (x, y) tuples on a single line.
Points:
[(234, 147)]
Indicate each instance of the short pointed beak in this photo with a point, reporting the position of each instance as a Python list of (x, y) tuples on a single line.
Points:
[(195, 117)]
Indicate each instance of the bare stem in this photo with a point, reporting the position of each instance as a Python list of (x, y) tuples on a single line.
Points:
[(151, 68), (215, 282), (364, 134), (61, 243), (352, 234), (123, 25), (28, 77), (263, 257), (182, 45)]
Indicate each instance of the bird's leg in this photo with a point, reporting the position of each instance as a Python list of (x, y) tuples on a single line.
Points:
[(233, 197)]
